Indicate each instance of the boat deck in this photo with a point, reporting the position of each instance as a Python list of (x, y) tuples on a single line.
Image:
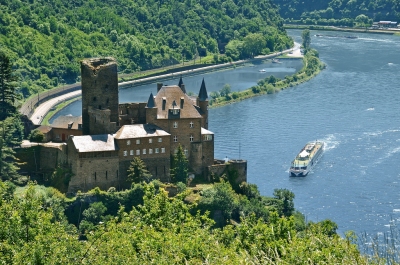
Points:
[(311, 149)]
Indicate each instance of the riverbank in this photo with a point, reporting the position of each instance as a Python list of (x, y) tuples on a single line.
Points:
[(311, 67), (36, 108), (344, 29)]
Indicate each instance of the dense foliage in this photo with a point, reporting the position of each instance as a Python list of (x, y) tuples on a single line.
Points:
[(159, 230), (8, 92), (47, 39), (339, 12)]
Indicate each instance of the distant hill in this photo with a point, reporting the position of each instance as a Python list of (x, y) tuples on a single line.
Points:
[(47, 39), (338, 11)]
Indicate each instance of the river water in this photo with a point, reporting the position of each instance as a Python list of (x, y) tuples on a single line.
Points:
[(352, 105)]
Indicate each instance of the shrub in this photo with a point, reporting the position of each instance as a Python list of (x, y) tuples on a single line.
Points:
[(36, 136)]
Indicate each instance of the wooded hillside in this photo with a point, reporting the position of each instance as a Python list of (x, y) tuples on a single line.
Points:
[(47, 39), (340, 12)]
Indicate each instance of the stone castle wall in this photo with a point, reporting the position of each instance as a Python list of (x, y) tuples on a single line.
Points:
[(99, 89)]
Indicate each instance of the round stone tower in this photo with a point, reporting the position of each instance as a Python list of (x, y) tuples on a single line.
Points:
[(99, 95)]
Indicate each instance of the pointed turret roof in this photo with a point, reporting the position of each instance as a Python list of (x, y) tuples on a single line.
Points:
[(203, 92), (150, 102), (181, 85)]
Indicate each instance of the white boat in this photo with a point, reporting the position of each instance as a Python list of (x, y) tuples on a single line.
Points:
[(262, 71), (276, 61), (306, 159)]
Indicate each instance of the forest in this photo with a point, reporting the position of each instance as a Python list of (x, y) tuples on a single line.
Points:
[(47, 39), (149, 227), (338, 12)]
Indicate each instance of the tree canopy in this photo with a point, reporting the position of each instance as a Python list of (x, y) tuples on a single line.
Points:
[(8, 93), (160, 230), (47, 39), (338, 12)]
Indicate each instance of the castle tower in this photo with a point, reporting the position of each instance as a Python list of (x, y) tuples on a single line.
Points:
[(202, 102), (99, 96), (151, 110)]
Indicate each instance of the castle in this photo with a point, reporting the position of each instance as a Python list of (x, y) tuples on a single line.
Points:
[(99, 146)]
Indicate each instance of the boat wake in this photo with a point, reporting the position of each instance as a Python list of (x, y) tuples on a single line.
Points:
[(389, 154), (331, 142)]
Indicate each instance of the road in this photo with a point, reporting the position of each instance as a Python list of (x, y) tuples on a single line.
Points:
[(41, 111)]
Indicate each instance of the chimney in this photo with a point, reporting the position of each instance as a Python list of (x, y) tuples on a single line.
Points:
[(182, 101), (164, 102), (159, 85)]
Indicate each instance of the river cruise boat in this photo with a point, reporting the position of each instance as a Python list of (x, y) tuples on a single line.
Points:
[(306, 159)]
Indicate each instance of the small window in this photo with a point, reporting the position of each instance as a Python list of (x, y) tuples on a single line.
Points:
[(138, 152), (175, 138), (150, 151), (157, 150), (131, 153), (144, 151), (191, 124), (159, 139), (191, 138), (137, 141), (150, 140), (128, 142), (175, 124), (208, 137), (163, 150), (125, 153)]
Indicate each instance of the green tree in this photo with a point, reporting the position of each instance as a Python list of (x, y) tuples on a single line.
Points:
[(137, 171), (8, 94), (10, 136), (36, 136), (225, 91), (180, 166), (306, 36), (92, 216), (287, 197), (253, 44)]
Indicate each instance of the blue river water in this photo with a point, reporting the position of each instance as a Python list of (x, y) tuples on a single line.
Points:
[(352, 105)]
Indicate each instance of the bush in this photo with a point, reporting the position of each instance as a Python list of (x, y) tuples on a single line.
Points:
[(36, 136), (181, 187), (235, 95)]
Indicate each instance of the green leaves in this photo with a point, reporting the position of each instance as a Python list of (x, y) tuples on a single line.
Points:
[(137, 171), (179, 167)]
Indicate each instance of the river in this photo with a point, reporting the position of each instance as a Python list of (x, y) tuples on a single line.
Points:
[(352, 105)]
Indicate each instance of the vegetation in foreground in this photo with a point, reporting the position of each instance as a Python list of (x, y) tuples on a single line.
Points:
[(162, 230)]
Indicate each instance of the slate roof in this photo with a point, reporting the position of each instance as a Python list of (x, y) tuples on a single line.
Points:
[(174, 94), (63, 121), (139, 131), (150, 102), (94, 143), (203, 92), (44, 128)]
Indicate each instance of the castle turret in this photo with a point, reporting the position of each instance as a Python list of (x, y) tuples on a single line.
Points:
[(202, 102), (151, 110), (182, 85), (99, 96)]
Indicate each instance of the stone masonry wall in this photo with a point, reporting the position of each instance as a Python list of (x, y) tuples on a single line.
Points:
[(99, 89)]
